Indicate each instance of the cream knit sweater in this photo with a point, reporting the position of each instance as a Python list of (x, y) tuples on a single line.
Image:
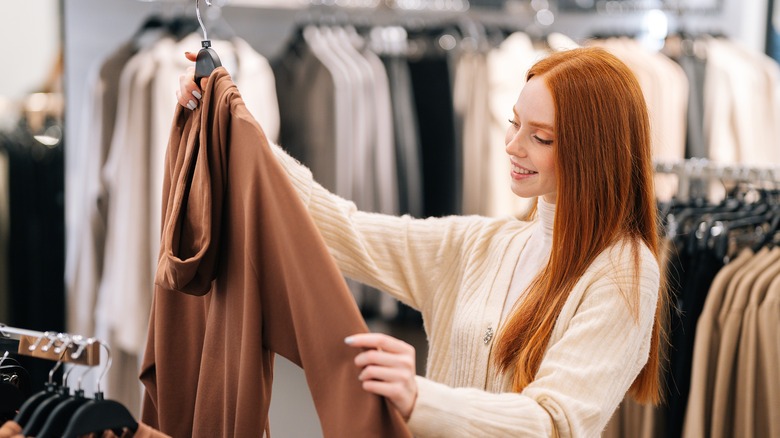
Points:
[(457, 271)]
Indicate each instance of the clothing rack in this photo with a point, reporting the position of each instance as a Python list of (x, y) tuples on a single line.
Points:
[(693, 170), (609, 7), (402, 5), (75, 349)]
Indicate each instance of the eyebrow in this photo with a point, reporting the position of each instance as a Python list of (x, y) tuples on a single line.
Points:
[(533, 123)]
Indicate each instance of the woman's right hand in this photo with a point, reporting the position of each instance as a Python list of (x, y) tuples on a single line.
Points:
[(189, 94)]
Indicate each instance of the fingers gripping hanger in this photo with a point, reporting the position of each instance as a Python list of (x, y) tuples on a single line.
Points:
[(207, 59)]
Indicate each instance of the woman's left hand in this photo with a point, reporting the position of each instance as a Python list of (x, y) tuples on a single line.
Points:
[(388, 369)]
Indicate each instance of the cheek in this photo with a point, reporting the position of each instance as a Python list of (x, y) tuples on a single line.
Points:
[(549, 162)]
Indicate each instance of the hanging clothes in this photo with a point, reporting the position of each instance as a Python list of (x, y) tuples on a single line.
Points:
[(405, 123), (36, 235), (472, 105), (115, 244), (5, 219), (508, 65), (332, 82), (741, 104), (239, 310), (433, 98), (732, 391), (665, 88), (86, 235)]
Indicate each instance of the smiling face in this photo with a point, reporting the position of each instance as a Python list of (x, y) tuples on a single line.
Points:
[(530, 142)]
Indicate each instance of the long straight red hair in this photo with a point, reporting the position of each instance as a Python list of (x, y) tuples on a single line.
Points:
[(605, 195)]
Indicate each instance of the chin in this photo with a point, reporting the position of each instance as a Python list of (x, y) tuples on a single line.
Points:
[(524, 193)]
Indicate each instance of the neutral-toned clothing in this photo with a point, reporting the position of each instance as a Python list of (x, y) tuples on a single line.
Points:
[(243, 274), (741, 104), (665, 88), (5, 227), (507, 67), (88, 212), (768, 328), (125, 286), (705, 352), (734, 379), (113, 237), (730, 320), (471, 105), (457, 271), (751, 416), (407, 147)]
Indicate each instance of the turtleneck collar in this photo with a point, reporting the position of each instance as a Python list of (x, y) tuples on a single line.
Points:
[(546, 214)]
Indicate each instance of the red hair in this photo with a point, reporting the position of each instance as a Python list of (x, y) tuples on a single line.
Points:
[(605, 195)]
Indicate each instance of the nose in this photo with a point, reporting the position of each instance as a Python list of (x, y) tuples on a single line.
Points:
[(514, 144)]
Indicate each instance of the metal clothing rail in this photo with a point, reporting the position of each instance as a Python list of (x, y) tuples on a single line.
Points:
[(399, 5), (611, 7), (698, 170), (702, 168), (56, 346)]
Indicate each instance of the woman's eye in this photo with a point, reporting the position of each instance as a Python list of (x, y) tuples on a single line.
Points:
[(543, 141), (513, 123)]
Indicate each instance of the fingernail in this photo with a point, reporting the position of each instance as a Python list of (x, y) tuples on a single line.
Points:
[(191, 105), (196, 94), (349, 340)]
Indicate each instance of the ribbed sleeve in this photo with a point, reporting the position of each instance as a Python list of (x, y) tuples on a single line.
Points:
[(412, 259), (457, 271)]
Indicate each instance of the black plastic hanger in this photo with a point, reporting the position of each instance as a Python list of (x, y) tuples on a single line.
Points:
[(41, 413), (207, 60), (60, 417), (722, 241), (27, 409), (99, 414), (44, 410), (29, 406), (771, 234)]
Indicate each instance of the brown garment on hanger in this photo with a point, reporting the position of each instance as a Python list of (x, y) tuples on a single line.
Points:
[(243, 274)]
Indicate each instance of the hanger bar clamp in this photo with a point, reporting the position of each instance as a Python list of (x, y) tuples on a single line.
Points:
[(55, 346)]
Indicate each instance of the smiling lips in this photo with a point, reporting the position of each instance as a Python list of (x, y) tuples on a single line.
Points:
[(522, 171)]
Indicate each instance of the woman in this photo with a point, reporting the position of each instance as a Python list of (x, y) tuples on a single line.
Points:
[(537, 327)]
